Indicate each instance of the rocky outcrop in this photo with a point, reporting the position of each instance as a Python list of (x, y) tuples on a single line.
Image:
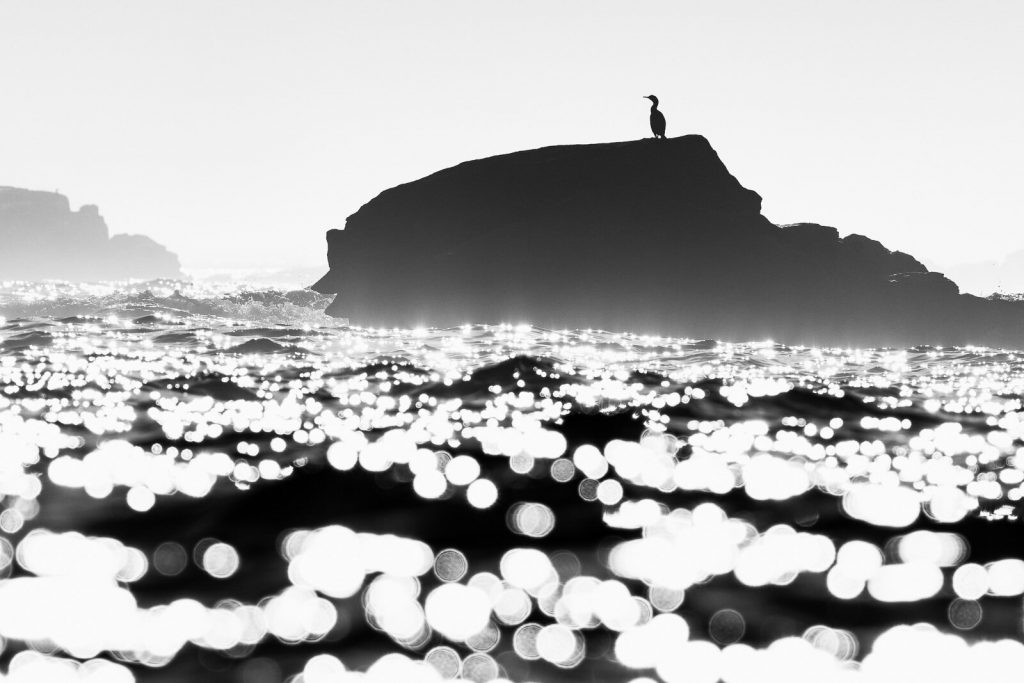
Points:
[(44, 239), (646, 236)]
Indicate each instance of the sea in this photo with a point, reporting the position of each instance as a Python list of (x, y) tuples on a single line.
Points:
[(205, 481)]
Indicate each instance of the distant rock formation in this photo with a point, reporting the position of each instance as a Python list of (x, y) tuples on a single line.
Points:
[(1004, 275), (43, 239), (645, 236)]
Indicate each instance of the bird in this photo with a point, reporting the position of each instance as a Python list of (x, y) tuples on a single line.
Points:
[(657, 118)]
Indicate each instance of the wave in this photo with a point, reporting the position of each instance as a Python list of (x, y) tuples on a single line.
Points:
[(163, 301)]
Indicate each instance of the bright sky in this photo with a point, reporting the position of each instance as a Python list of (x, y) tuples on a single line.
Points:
[(237, 132)]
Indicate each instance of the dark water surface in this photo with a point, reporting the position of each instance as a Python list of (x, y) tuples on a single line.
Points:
[(225, 485)]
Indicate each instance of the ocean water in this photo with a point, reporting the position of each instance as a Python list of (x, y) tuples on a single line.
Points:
[(213, 483)]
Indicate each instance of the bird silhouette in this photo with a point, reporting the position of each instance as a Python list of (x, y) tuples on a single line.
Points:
[(657, 118)]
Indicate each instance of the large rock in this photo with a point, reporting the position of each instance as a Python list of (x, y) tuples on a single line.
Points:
[(44, 239), (646, 236)]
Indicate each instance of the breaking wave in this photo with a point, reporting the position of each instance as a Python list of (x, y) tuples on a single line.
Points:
[(169, 297)]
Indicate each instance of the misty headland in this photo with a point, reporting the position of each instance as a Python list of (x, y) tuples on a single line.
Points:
[(43, 239)]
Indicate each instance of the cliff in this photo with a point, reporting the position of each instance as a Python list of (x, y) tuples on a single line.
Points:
[(646, 236), (44, 239)]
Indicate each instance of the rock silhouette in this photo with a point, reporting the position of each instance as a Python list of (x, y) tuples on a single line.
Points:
[(646, 236), (44, 239)]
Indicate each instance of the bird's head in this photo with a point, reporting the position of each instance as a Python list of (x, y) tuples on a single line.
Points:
[(652, 98)]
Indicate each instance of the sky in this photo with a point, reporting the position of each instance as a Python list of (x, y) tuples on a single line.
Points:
[(237, 132)]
